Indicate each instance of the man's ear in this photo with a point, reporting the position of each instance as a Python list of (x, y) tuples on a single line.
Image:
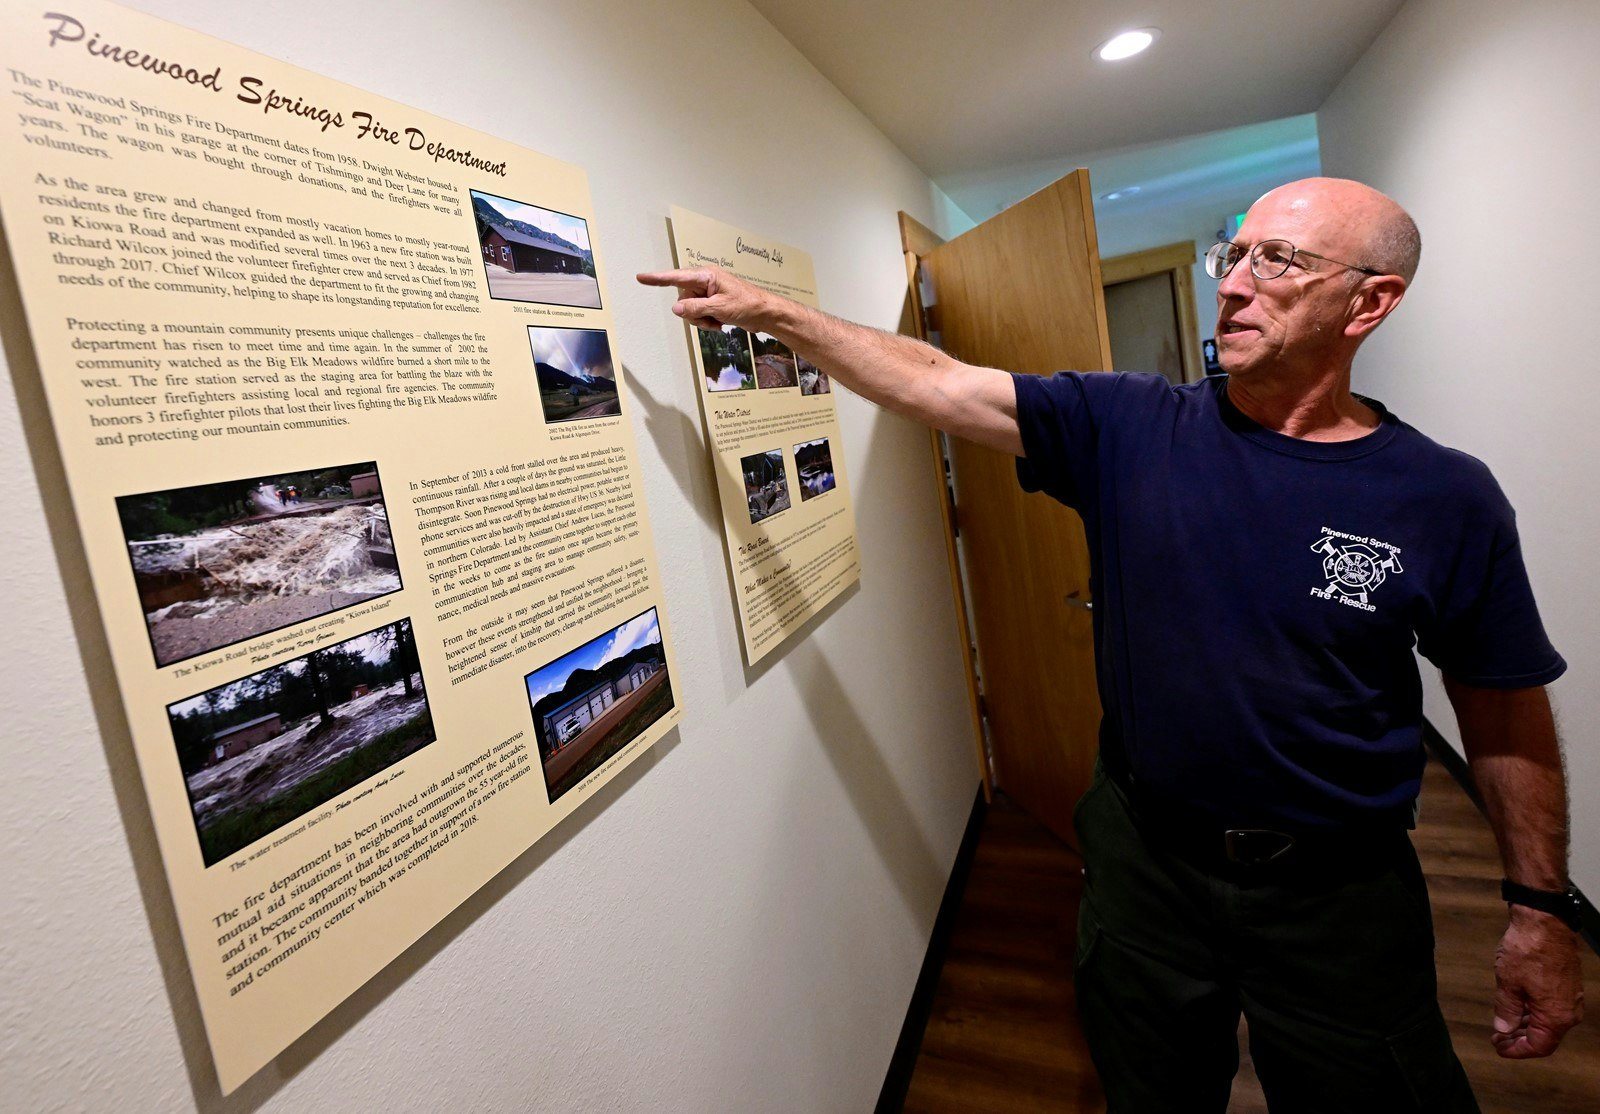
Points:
[(1372, 301)]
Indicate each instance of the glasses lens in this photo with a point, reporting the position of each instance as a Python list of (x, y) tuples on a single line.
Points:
[(1220, 258), (1271, 258)]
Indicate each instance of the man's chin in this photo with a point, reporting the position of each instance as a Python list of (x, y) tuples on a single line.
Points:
[(1234, 364)]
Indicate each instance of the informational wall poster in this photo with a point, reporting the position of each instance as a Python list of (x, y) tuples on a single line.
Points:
[(788, 522), (346, 433)]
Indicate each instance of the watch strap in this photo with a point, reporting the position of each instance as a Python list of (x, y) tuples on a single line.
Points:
[(1563, 904)]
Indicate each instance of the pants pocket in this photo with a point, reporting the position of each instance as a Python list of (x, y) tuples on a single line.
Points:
[(1096, 782), (1432, 1073), (1088, 938)]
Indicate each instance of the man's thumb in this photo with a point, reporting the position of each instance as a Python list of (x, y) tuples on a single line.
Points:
[(1509, 1013)]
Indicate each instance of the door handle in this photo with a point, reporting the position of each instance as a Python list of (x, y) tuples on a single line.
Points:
[(1074, 601)]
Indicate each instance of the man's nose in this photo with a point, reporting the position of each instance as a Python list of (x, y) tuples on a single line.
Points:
[(1238, 283)]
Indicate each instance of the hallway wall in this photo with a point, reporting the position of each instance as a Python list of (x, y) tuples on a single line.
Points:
[(737, 922), (1479, 118)]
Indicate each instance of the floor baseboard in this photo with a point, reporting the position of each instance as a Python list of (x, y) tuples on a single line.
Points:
[(897, 1081)]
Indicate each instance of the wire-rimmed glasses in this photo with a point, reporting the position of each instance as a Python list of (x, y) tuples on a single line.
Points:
[(1269, 259)]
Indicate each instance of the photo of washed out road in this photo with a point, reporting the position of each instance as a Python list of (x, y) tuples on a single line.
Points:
[(219, 563)]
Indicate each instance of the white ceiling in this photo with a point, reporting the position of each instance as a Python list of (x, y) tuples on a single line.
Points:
[(1229, 167), (987, 98)]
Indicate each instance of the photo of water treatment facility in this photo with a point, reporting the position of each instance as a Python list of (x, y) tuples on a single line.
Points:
[(766, 487), (260, 752)]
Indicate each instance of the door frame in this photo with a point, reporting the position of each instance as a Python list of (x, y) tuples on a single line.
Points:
[(917, 320), (1176, 260)]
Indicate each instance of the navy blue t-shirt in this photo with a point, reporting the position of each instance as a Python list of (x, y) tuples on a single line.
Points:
[(1258, 597)]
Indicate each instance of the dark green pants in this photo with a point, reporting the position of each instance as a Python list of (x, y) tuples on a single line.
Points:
[(1331, 963)]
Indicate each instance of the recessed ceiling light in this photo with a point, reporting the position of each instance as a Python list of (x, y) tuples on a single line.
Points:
[(1127, 44), (1118, 195)]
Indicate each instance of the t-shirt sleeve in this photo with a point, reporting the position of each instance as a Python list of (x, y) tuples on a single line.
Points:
[(1487, 630), (1060, 423)]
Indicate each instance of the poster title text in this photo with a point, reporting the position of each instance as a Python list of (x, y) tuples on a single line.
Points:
[(255, 91)]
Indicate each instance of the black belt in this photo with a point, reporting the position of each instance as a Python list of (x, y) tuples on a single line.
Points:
[(1254, 851)]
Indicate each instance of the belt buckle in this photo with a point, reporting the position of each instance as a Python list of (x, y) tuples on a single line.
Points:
[(1255, 846)]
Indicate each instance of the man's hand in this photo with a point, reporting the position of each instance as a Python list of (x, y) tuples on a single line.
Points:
[(1538, 985), (709, 298), (896, 372), (1510, 739)]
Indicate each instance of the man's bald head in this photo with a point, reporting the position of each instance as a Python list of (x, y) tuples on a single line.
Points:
[(1356, 253), (1355, 218)]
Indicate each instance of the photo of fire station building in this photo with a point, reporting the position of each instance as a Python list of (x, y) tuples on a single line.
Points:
[(518, 252), (571, 719)]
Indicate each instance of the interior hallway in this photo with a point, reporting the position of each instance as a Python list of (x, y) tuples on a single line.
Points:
[(1003, 1034)]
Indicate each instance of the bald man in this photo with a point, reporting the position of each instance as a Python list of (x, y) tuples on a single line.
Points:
[(1267, 547)]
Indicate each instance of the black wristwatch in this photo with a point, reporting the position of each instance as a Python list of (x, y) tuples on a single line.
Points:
[(1562, 904)]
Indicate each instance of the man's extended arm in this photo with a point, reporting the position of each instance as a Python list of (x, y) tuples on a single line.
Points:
[(1511, 745), (896, 372)]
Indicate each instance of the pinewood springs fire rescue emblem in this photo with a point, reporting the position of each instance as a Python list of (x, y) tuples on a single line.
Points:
[(1354, 566)]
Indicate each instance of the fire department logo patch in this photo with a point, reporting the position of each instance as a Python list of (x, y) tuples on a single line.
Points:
[(1354, 566)]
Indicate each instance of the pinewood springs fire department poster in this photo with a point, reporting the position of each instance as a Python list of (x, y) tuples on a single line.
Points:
[(788, 521), (343, 419)]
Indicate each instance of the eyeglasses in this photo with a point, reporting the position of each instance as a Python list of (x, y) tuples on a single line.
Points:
[(1268, 260)]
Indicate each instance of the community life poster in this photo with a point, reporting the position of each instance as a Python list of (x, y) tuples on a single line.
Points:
[(769, 414), (343, 419)]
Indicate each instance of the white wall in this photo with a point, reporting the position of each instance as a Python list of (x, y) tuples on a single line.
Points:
[(1479, 117), (737, 924), (952, 219), (1190, 187)]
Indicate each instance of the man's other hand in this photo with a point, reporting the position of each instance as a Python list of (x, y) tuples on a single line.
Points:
[(709, 298), (1538, 985)]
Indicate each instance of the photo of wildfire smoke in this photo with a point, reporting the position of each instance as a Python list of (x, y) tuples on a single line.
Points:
[(574, 373), (219, 563)]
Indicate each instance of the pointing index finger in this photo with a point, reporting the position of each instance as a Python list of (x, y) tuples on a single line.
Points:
[(681, 279)]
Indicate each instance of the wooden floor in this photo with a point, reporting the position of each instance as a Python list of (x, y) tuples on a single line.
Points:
[(1003, 1034)]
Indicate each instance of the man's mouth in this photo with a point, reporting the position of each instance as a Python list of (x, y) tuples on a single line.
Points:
[(1229, 328)]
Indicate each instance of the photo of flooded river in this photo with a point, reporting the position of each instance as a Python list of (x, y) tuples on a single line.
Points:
[(221, 563)]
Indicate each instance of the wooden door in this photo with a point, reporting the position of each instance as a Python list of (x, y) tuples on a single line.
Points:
[(1022, 292)]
